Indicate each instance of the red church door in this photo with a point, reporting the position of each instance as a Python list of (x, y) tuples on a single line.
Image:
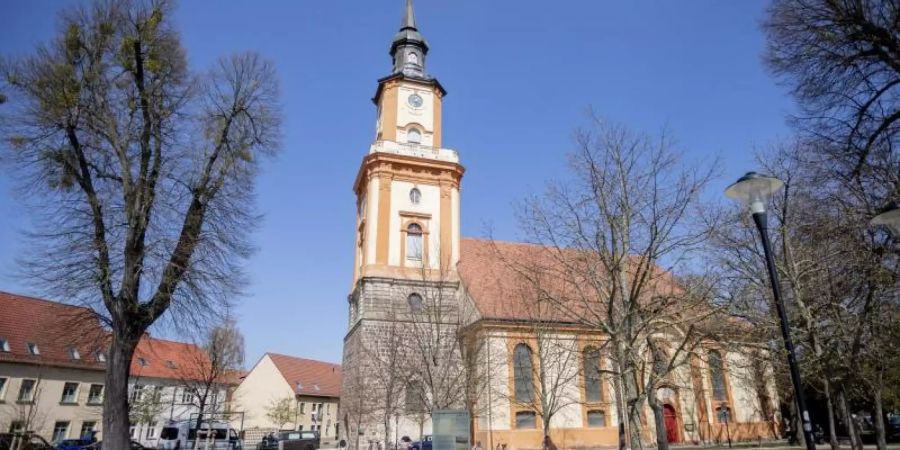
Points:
[(671, 423)]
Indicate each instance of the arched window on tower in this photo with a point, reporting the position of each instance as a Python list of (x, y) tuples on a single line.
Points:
[(413, 58), (523, 370), (593, 384), (717, 376), (414, 136), (414, 242), (415, 397)]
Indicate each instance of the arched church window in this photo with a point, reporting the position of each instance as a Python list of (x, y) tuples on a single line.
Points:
[(415, 196), (414, 242), (593, 388), (523, 369), (717, 376), (415, 397), (414, 136), (413, 58), (415, 303)]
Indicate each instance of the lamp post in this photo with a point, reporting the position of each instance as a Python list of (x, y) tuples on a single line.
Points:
[(755, 190)]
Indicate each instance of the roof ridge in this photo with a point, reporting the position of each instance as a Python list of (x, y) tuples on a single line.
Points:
[(44, 300), (301, 358)]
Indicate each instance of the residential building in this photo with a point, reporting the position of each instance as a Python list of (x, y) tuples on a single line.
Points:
[(409, 252), (52, 368), (312, 388)]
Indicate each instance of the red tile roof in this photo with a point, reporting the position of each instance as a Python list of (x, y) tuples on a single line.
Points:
[(505, 280), (308, 376), (58, 328)]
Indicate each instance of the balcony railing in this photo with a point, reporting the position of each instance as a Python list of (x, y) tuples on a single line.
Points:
[(417, 150)]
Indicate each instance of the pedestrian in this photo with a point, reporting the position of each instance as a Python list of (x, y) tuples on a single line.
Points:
[(548, 444), (342, 445)]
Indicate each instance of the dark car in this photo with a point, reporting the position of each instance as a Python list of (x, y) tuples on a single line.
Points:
[(135, 445), (293, 440), (32, 441), (75, 444), (893, 429), (418, 445)]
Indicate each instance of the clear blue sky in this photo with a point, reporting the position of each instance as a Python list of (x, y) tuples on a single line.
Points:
[(520, 76)]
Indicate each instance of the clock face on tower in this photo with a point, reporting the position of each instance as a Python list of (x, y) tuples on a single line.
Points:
[(415, 101)]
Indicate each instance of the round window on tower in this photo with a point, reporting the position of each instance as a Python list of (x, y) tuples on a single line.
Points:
[(415, 196)]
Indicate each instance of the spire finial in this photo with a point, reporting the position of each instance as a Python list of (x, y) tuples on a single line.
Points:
[(409, 18)]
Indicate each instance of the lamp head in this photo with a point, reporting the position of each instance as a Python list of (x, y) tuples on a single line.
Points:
[(889, 216), (754, 190)]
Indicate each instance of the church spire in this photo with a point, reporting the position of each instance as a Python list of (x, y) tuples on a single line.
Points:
[(409, 48)]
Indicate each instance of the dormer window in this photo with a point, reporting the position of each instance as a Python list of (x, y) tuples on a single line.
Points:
[(414, 136), (74, 354), (4, 345), (170, 364), (101, 357), (142, 362), (33, 348)]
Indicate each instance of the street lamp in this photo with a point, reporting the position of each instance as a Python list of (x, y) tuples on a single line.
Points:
[(889, 216), (755, 190)]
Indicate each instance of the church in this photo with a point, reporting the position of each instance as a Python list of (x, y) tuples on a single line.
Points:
[(434, 321)]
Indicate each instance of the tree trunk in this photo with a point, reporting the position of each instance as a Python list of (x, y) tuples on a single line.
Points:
[(387, 430), (634, 414), (662, 437), (621, 408), (829, 409), (880, 438), (115, 401), (855, 441)]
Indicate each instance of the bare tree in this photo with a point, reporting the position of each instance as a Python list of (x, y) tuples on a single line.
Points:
[(281, 411), (208, 370), (842, 60), (25, 414), (139, 171), (610, 236)]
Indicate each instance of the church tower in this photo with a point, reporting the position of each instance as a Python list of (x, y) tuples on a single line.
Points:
[(405, 281)]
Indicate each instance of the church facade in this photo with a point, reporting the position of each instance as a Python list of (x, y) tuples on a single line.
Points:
[(429, 326)]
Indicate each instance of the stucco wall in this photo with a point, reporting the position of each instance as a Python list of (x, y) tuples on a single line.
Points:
[(263, 385)]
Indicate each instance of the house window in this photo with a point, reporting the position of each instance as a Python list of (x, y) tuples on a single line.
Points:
[(415, 397), (70, 393), (187, 396), (132, 431), (526, 419), (73, 353), (302, 408), (17, 426), (33, 348), (414, 242), (414, 136), (717, 376), (299, 427), (101, 357), (142, 362), (26, 391), (4, 345), (95, 394), (415, 303), (60, 430), (2, 389), (171, 364), (151, 431), (593, 382), (523, 371), (87, 429), (137, 393), (723, 414), (596, 419)]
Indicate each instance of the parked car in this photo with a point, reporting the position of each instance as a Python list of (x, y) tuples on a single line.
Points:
[(75, 444), (32, 441), (209, 436), (293, 440), (893, 429), (419, 445), (135, 445)]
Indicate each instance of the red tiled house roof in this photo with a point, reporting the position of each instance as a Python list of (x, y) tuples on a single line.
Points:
[(58, 328), (308, 376)]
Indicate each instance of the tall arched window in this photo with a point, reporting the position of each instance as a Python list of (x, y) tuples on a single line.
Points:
[(660, 362), (415, 303), (415, 397), (717, 376), (523, 369), (414, 242), (593, 384)]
